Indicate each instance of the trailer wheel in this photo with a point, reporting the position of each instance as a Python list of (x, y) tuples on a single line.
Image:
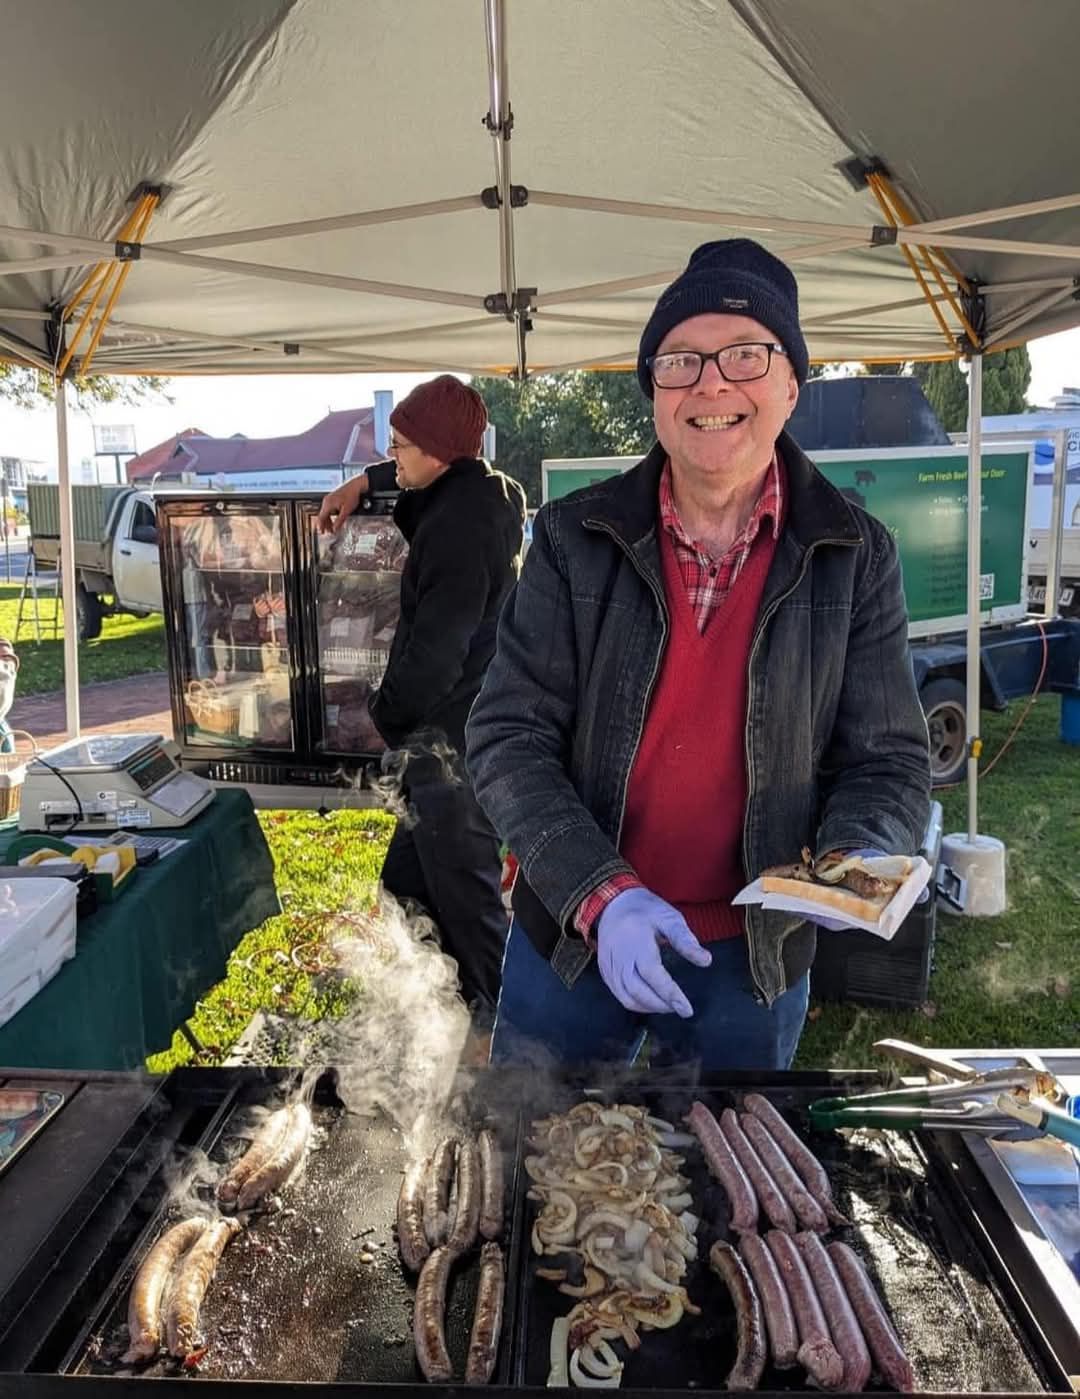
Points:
[(89, 612), (944, 703)]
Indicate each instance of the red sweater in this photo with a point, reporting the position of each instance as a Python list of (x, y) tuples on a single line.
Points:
[(683, 826)]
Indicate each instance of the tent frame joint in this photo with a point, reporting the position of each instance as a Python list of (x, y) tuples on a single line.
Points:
[(857, 170), (496, 304), (504, 128), (519, 197), (150, 187), (974, 304), (883, 235), (127, 252)]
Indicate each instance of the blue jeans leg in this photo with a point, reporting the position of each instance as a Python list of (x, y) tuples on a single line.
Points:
[(730, 1028), (540, 1020)]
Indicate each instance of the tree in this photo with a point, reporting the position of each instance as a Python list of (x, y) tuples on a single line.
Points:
[(1006, 377), (30, 388), (945, 386), (580, 413)]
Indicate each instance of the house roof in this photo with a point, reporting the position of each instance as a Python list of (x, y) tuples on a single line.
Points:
[(344, 438), (155, 458)]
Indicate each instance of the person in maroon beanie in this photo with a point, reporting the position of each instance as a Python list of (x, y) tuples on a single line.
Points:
[(464, 525), (703, 669)]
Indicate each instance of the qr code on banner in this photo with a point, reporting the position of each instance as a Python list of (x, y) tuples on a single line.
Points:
[(986, 587)]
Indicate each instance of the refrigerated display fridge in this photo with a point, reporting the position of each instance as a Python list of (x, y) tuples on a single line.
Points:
[(277, 634)]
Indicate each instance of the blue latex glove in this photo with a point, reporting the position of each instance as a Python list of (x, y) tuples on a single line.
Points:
[(629, 935), (831, 925)]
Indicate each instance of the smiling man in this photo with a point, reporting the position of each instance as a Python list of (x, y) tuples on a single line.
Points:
[(703, 668)]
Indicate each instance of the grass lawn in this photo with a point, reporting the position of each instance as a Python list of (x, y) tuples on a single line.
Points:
[(127, 645), (1012, 980), (323, 864)]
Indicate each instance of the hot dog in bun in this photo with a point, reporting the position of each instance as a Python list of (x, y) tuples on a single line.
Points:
[(851, 886)]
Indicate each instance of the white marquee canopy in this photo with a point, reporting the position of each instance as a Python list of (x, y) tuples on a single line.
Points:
[(338, 190)]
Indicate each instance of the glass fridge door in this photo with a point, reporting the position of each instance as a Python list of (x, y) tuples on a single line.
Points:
[(357, 581), (229, 565)]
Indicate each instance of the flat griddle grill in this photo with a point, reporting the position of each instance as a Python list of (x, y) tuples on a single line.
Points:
[(292, 1302), (958, 1332), (291, 1298)]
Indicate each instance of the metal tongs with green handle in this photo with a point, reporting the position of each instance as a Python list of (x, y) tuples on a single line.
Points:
[(974, 1104)]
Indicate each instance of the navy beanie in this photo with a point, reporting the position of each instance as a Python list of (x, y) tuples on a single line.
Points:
[(737, 277)]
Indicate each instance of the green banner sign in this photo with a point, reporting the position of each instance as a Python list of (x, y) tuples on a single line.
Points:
[(920, 494)]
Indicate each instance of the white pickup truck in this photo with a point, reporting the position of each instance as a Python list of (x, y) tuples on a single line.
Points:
[(116, 549)]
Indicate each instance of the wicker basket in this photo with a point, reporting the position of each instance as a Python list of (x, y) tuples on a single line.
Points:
[(13, 765), (211, 710)]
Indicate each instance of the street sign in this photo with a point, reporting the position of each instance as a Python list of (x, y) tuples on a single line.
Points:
[(113, 439)]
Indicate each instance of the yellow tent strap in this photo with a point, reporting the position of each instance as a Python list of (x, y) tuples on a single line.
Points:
[(101, 268), (902, 214), (907, 216), (118, 286), (915, 268), (136, 227)]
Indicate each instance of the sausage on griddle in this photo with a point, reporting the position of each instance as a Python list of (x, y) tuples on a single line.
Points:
[(258, 1153), (429, 1335), (817, 1354), (148, 1289), (724, 1165), (797, 1152), (491, 1185), (884, 1344), (749, 1365), (440, 1177), (844, 1326), (807, 1210), (412, 1241), (775, 1302), (770, 1196), (487, 1319), (276, 1169), (467, 1214), (194, 1277)]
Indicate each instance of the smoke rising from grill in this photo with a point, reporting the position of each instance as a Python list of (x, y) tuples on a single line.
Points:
[(398, 1049)]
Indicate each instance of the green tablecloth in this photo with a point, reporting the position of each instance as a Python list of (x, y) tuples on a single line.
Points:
[(143, 961)]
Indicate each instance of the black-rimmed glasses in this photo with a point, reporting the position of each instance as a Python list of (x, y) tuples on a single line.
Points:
[(738, 364)]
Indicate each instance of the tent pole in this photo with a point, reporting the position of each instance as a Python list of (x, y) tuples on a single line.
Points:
[(67, 567), (974, 622), (907, 236), (1056, 534)]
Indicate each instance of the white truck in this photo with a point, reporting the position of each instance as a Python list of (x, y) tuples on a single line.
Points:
[(117, 568), (1045, 429)]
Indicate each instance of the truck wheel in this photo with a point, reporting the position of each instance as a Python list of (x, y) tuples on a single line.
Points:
[(944, 703), (88, 611)]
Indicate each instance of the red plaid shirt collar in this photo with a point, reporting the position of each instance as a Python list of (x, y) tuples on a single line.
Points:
[(707, 580)]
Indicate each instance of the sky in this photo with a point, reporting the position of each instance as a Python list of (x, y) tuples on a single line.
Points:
[(275, 405)]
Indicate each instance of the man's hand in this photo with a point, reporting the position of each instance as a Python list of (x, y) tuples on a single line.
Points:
[(629, 934), (341, 502)]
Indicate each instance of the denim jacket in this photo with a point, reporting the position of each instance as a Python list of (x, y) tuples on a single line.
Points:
[(836, 742)]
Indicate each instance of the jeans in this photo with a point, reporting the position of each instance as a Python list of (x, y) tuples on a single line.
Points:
[(445, 857), (539, 1017)]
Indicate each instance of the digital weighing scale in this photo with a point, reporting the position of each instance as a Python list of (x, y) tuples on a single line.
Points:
[(109, 781)]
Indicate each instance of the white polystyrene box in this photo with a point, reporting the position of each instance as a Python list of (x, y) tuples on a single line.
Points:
[(37, 935)]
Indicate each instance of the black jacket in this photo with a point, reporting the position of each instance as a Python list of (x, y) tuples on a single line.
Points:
[(836, 745), (465, 536)]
